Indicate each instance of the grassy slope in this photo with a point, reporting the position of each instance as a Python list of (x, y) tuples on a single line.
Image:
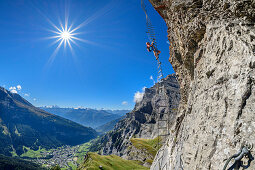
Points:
[(84, 148), (148, 145), (32, 153), (109, 162)]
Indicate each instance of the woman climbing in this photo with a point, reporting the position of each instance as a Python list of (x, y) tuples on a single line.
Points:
[(151, 47)]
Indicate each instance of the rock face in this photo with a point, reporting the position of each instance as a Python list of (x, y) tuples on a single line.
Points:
[(142, 121), (22, 124), (213, 53)]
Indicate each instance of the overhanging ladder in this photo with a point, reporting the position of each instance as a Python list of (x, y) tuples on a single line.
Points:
[(162, 124), (152, 37)]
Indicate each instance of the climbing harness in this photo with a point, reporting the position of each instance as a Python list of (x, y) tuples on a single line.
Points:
[(245, 151), (152, 37)]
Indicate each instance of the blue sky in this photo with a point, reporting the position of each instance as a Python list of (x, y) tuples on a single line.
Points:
[(103, 73)]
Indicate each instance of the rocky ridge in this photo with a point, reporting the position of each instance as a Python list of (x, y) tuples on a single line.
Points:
[(142, 121), (213, 53)]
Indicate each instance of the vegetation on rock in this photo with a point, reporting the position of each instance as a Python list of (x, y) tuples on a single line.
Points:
[(148, 145), (110, 162)]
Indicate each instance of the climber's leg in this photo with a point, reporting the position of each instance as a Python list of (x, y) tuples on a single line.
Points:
[(155, 54)]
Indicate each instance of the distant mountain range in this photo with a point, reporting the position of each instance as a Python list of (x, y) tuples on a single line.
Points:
[(85, 116), (119, 112), (108, 126), (22, 124)]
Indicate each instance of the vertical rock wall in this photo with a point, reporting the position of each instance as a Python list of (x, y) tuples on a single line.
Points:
[(213, 53)]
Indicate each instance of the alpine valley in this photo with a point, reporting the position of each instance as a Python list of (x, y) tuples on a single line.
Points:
[(24, 126)]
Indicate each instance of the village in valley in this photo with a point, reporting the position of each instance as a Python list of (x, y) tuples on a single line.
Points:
[(67, 157)]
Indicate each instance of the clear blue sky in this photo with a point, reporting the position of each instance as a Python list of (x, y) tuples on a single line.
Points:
[(101, 74)]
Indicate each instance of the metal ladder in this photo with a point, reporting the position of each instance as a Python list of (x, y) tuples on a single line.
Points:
[(161, 90), (150, 28), (163, 118), (160, 72), (163, 124)]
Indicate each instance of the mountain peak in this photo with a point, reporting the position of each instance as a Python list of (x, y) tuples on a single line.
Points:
[(22, 124), (8, 98)]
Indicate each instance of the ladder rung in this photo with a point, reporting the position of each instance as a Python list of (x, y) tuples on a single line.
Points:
[(163, 128), (165, 135), (150, 32)]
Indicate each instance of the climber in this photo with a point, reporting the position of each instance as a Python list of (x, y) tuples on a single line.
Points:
[(151, 47)]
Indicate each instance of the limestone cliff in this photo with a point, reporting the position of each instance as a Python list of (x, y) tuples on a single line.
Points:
[(142, 121), (213, 53)]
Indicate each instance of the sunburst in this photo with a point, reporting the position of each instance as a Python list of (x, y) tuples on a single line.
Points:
[(64, 36)]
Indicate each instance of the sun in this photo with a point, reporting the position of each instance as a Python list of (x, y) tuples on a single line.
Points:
[(66, 35)]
